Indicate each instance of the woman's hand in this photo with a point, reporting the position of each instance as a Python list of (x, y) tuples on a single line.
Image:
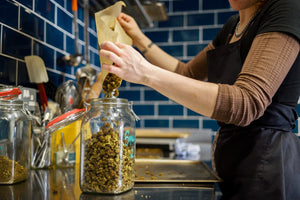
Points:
[(129, 64), (132, 29)]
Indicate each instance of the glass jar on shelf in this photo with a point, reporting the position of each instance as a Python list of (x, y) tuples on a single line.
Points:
[(107, 162), (15, 131)]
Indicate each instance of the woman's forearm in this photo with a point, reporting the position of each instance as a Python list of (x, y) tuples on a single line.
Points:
[(198, 96)]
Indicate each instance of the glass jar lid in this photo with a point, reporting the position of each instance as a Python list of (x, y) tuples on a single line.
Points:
[(7, 93), (65, 119)]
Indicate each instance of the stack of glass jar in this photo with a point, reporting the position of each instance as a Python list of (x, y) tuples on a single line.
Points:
[(15, 127)]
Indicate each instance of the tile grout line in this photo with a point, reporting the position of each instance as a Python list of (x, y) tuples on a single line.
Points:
[(19, 16), (1, 40), (11, 57), (17, 72)]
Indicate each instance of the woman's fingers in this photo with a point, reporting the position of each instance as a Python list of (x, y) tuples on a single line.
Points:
[(111, 51), (112, 69), (110, 56), (110, 47)]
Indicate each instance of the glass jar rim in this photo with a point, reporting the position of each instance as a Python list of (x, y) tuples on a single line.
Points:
[(12, 102), (110, 101)]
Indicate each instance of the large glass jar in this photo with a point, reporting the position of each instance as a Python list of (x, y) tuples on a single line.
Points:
[(107, 162), (15, 127)]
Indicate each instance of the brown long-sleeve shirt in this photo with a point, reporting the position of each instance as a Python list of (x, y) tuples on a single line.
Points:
[(267, 64)]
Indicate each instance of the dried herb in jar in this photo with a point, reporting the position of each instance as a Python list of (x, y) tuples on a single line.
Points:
[(11, 171), (108, 162), (110, 85)]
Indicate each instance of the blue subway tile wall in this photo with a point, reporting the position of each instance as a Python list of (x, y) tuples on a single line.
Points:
[(45, 28), (45, 9), (8, 13), (170, 110)]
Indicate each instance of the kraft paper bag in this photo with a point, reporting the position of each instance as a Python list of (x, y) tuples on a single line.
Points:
[(109, 29)]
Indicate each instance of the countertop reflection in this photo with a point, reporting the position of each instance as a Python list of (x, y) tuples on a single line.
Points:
[(64, 184)]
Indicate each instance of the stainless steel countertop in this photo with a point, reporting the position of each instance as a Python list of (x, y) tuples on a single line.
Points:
[(64, 184)]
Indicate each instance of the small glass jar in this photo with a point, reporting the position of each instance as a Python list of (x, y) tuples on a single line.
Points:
[(107, 162), (15, 128), (56, 143)]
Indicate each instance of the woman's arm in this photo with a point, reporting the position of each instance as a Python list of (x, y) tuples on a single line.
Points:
[(131, 66), (197, 67), (269, 60)]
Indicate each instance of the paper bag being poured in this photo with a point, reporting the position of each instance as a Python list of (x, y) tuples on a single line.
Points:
[(109, 29)]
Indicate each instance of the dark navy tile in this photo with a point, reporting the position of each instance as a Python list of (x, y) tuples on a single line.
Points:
[(7, 70), (224, 16), (186, 35), (123, 84), (170, 110), (215, 4), (193, 50), (45, 9), (27, 3), (143, 109), (15, 44), (96, 60), (183, 5), (80, 13), (192, 113), (158, 36), (23, 77), (185, 123), (184, 60), (81, 49), (70, 48), (156, 123), (174, 50), (210, 33), (200, 19), (173, 21), (298, 109), (31, 24), (132, 95), (55, 78), (93, 41), (81, 32), (167, 5), (152, 95), (9, 13), (60, 2), (55, 38), (138, 124), (92, 23), (210, 124), (46, 53), (64, 21)]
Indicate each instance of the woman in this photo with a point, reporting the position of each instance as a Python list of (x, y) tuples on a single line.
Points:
[(253, 70)]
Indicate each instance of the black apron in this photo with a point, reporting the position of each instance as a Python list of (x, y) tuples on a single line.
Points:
[(262, 160)]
